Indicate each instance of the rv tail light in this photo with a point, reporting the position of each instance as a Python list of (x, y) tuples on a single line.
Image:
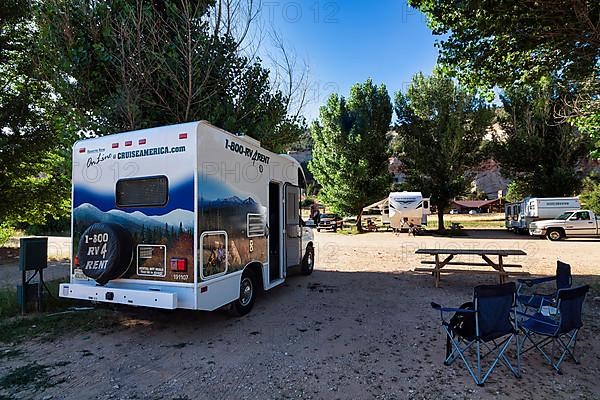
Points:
[(204, 289), (82, 150), (179, 264), (183, 136), (77, 261), (115, 145), (142, 141), (128, 143)]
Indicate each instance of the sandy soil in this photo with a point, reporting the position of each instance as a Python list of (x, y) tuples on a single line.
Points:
[(360, 327)]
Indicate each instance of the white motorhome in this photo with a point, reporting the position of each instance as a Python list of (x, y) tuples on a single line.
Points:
[(184, 216), (407, 208), (520, 215)]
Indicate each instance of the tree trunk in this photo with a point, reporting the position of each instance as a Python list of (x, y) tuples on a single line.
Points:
[(359, 221), (440, 213)]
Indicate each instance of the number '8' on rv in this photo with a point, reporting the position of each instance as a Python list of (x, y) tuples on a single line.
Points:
[(184, 216)]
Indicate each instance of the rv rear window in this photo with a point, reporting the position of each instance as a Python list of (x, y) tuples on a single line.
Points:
[(143, 192)]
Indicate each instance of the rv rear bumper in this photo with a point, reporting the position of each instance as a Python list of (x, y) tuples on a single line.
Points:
[(146, 298)]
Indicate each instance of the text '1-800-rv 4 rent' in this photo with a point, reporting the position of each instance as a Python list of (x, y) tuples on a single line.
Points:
[(184, 216)]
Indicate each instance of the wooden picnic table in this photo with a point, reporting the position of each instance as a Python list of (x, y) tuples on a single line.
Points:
[(485, 254)]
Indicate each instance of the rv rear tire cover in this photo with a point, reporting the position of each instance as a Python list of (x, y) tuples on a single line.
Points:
[(105, 252)]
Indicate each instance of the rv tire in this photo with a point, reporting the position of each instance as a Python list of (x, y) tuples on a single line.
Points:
[(248, 290), (308, 262)]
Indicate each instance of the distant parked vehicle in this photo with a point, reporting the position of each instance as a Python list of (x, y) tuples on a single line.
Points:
[(519, 216), (454, 211), (330, 222), (474, 212), (407, 208), (400, 210), (570, 223)]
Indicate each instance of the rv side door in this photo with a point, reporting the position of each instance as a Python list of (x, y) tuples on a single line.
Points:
[(293, 232), (426, 211)]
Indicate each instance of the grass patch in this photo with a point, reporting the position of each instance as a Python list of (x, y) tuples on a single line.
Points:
[(49, 327), (477, 221), (33, 375), (8, 303), (56, 319), (9, 307), (10, 353), (449, 233), (30, 374), (349, 231)]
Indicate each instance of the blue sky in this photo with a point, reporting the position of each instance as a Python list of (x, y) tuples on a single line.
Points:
[(348, 41)]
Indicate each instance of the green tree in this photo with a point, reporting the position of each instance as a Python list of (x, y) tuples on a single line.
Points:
[(350, 150), (128, 65), (590, 196), (440, 133), (499, 43), (34, 141), (536, 151), (492, 42), (515, 192)]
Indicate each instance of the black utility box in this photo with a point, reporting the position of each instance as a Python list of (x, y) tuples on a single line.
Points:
[(33, 253)]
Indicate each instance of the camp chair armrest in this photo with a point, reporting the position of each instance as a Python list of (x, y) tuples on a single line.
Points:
[(545, 295), (438, 307), (536, 281)]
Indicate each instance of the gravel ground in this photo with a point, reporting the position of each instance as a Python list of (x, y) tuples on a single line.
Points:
[(360, 327)]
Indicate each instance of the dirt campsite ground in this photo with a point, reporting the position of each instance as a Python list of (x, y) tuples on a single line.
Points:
[(360, 327)]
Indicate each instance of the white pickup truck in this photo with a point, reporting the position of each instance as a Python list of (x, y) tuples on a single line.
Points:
[(574, 223)]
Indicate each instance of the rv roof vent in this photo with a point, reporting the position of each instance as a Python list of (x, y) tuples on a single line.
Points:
[(247, 139)]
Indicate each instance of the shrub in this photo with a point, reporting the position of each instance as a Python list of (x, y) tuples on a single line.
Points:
[(6, 232)]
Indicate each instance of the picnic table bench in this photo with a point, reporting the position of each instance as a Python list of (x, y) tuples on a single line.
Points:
[(498, 268)]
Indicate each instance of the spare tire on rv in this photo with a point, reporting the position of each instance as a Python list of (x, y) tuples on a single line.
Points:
[(105, 252)]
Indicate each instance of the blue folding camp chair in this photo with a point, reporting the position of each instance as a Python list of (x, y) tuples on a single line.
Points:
[(559, 329), (536, 300), (486, 325)]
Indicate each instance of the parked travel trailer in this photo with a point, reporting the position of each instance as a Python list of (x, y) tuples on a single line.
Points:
[(407, 208), (520, 215), (184, 216)]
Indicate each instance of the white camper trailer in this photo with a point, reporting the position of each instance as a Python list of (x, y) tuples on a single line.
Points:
[(407, 208), (184, 216), (520, 215)]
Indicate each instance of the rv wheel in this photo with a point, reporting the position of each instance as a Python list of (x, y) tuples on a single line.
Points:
[(308, 262), (248, 287)]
